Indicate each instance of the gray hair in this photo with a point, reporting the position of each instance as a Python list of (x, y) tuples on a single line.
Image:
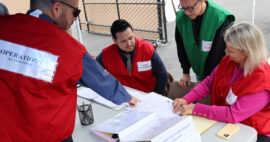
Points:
[(3, 9), (248, 38), (43, 5)]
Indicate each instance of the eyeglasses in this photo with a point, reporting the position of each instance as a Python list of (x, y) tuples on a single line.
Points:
[(77, 11), (189, 9)]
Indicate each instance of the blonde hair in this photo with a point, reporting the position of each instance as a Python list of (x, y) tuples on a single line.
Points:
[(249, 39)]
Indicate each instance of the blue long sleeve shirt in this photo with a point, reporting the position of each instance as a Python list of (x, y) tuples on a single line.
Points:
[(102, 82), (95, 77)]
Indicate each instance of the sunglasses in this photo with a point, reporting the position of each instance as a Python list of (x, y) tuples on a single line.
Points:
[(77, 11)]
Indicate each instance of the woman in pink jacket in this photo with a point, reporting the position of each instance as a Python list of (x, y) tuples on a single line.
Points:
[(239, 85)]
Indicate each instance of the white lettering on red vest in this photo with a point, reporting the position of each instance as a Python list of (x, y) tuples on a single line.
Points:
[(27, 61)]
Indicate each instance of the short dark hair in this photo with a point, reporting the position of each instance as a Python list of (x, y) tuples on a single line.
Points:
[(119, 26)]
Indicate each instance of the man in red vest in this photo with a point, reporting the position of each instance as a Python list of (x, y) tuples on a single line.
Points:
[(133, 61), (40, 67)]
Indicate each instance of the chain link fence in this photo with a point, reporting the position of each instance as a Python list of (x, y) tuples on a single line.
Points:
[(147, 17), (16, 6)]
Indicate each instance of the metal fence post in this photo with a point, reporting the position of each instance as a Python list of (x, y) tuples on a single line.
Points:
[(164, 22), (159, 20), (118, 12), (86, 18)]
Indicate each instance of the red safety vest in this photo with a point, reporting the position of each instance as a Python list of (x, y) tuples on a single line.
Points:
[(141, 80), (34, 110), (258, 81)]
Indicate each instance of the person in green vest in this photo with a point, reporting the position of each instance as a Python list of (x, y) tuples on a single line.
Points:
[(200, 25)]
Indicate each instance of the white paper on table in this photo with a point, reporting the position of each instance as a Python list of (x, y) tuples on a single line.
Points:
[(133, 125), (125, 122), (194, 138), (153, 102), (153, 129), (89, 94)]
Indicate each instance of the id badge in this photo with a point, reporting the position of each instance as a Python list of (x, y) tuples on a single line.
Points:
[(206, 45), (144, 66)]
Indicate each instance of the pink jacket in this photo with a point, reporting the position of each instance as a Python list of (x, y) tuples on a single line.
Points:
[(243, 108)]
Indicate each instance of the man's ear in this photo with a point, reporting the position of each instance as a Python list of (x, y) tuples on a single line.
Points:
[(114, 41), (56, 10)]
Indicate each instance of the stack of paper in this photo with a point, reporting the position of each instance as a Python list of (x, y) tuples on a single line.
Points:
[(151, 120), (146, 126), (163, 106), (153, 102)]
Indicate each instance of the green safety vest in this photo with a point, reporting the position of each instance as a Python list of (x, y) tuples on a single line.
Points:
[(213, 18)]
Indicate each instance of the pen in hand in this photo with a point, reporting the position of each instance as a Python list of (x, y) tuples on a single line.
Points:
[(178, 104)]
